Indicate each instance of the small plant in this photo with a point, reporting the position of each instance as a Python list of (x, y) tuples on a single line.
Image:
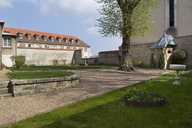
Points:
[(179, 56), (55, 62), (19, 61), (144, 99)]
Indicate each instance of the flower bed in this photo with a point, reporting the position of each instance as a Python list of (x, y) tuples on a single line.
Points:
[(144, 99)]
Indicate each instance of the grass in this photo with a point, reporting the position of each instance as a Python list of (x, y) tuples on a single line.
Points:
[(65, 67), (108, 111), (37, 74)]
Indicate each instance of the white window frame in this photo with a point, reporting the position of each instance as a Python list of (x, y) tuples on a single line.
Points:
[(7, 42)]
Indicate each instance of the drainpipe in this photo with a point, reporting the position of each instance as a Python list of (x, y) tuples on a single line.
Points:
[(1, 42)]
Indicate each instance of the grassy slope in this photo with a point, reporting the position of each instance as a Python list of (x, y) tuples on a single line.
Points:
[(108, 111)]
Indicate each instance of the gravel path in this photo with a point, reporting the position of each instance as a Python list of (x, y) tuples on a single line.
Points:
[(93, 82)]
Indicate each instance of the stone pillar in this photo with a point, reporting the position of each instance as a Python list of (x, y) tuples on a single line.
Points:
[(1, 41)]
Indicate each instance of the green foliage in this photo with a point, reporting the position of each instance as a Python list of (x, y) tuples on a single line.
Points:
[(110, 22), (37, 74), (64, 67), (144, 98), (55, 62), (19, 61)]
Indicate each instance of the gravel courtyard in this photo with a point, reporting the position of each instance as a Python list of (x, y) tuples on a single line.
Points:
[(92, 83)]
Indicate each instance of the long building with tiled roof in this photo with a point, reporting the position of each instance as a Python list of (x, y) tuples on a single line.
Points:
[(40, 48)]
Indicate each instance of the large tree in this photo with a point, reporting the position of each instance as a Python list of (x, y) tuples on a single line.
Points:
[(125, 18)]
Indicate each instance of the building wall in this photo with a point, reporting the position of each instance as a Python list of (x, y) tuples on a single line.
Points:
[(160, 23), (7, 57), (45, 57), (184, 17)]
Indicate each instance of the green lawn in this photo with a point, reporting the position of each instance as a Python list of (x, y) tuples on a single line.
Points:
[(37, 74), (108, 111), (66, 67)]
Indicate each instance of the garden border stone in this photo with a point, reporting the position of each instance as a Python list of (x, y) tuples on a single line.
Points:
[(33, 86)]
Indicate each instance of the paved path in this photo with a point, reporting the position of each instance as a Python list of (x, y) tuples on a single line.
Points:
[(93, 82)]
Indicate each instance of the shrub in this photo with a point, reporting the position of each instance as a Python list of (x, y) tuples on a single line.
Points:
[(19, 61), (144, 99), (179, 56), (138, 63), (55, 62)]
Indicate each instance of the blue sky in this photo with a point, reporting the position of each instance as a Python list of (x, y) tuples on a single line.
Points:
[(75, 17)]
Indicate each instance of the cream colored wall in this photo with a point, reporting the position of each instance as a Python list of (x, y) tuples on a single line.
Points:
[(160, 23), (184, 17), (45, 57)]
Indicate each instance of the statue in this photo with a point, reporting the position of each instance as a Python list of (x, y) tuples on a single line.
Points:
[(167, 44)]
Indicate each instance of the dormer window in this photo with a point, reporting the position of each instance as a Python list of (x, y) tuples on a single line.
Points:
[(70, 41), (44, 38), (77, 41), (64, 40), (58, 39), (36, 37), (20, 36), (27, 36), (51, 39)]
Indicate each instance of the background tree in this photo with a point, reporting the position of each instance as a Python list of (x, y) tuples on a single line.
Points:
[(125, 18)]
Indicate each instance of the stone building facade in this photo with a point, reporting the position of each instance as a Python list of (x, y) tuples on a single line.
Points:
[(40, 48), (172, 15)]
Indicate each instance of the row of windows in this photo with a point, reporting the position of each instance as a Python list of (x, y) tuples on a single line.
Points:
[(47, 39), (27, 45)]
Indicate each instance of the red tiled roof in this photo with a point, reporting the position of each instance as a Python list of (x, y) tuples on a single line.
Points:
[(32, 32)]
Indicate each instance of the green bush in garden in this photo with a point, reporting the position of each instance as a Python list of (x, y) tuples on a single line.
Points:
[(19, 61)]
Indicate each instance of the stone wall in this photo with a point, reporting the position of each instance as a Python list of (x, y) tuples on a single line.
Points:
[(46, 57), (108, 58), (142, 53), (28, 87)]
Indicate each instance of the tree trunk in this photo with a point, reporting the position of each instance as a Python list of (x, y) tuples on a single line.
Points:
[(126, 61)]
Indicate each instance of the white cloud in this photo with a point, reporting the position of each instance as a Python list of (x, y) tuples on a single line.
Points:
[(77, 6), (5, 3), (93, 30)]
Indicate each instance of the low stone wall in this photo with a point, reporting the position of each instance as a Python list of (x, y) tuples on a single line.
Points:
[(109, 57), (28, 87), (142, 53)]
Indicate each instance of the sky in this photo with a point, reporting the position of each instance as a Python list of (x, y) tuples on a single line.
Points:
[(74, 17)]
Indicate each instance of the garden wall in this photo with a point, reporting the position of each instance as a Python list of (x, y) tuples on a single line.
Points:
[(28, 87)]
